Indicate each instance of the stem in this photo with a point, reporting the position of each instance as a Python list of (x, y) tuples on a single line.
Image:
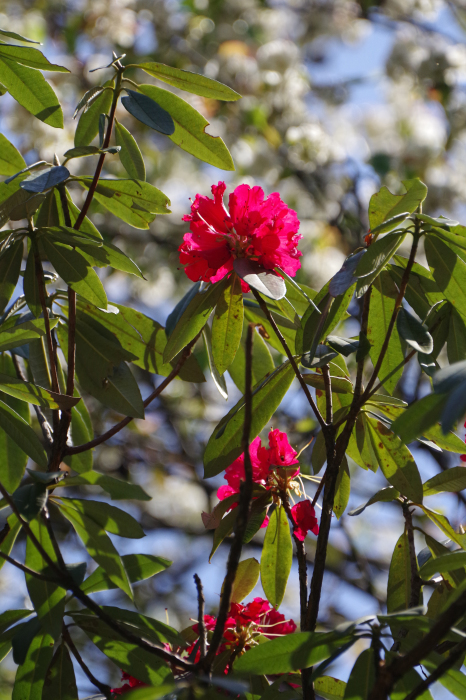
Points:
[(364, 326), (123, 423), (289, 355), (104, 689), (106, 143), (201, 608), (328, 394), (243, 512), (415, 579), (455, 654), (27, 570)]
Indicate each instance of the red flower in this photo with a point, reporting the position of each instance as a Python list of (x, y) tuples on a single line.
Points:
[(304, 518), (264, 230), (132, 683)]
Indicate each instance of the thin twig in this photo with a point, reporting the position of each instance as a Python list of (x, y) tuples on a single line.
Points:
[(289, 355), (328, 394), (123, 423), (200, 616), (243, 512), (104, 689), (455, 654), (27, 570)]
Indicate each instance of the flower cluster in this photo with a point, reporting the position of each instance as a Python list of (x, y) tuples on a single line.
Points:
[(245, 623), (131, 683), (263, 230), (268, 470)]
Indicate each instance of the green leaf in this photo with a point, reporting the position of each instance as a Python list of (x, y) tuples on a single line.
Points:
[(18, 37), (116, 488), (396, 461), (443, 563), (340, 385), (79, 435), (389, 493), (28, 56), (422, 292), (75, 271), (189, 132), (29, 87), (330, 688), (10, 265), (378, 255), (399, 577), (138, 567), (47, 598), (10, 533), (31, 284), (11, 160), (193, 319), (22, 637), (414, 332), (30, 676), (60, 682), (453, 680), (224, 445), (306, 336), (133, 201), (119, 391), (23, 333), (190, 82), (408, 683), (254, 314), (444, 525), (31, 393), (277, 557), (290, 653), (30, 500), (11, 617), (24, 436), (267, 282), (219, 380), (383, 299), (342, 489), (110, 518), (345, 277), (384, 205), (419, 417), (246, 578), (109, 254), (449, 272), (130, 155), (262, 362), (148, 111), (48, 178), (452, 480), (456, 343), (99, 547), (145, 666), (227, 325), (362, 677), (88, 125)]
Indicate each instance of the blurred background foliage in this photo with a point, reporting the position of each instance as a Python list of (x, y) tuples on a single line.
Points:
[(339, 97)]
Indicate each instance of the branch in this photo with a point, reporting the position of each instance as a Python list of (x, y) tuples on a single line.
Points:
[(328, 394), (243, 513), (201, 607), (289, 355), (27, 570), (455, 654), (123, 423), (104, 689)]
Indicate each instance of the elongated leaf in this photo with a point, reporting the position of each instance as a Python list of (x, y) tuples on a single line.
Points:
[(340, 385), (399, 577), (414, 332), (11, 617), (31, 393), (74, 269), (31, 283), (345, 277), (267, 282), (60, 682), (148, 111), (10, 265), (28, 56), (109, 254), (396, 461), (449, 272), (444, 525), (46, 180), (116, 488), (330, 688), (362, 677), (277, 557), (23, 333), (262, 362), (451, 480), (342, 489), (189, 129), (9, 535), (419, 417), (133, 201), (48, 598), (453, 680), (138, 567), (119, 391), (30, 676), (88, 125), (11, 160), (384, 205), (79, 435), (193, 319), (254, 314), (18, 37), (389, 493), (24, 436), (290, 653), (130, 155), (219, 380), (422, 291), (227, 325), (456, 343), (99, 547), (246, 578), (224, 445), (378, 255), (131, 658), (383, 298), (111, 519), (190, 82), (29, 87), (307, 336), (443, 563)]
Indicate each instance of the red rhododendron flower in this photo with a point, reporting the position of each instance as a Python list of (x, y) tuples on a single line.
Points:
[(263, 230), (132, 683), (304, 517)]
